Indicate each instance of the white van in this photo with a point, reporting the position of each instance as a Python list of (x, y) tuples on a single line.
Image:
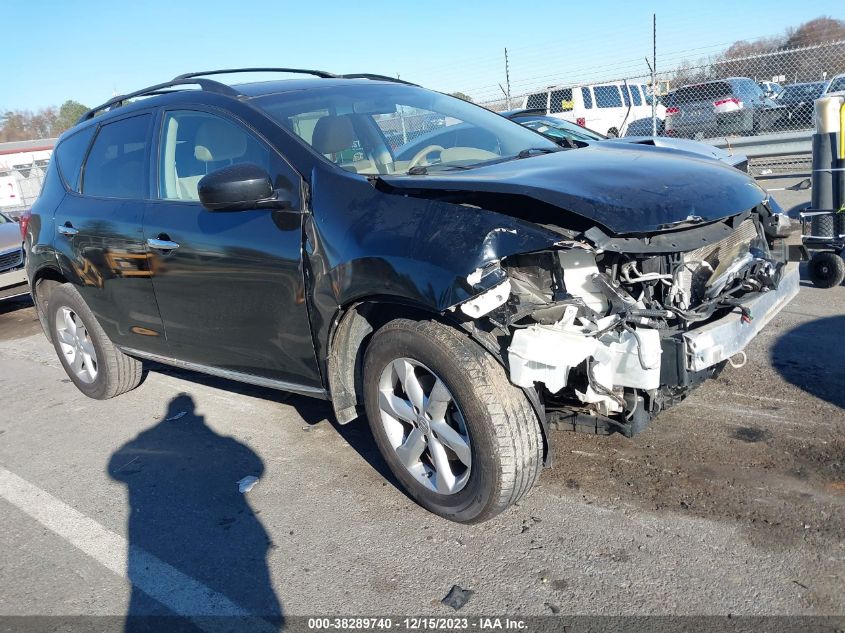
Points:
[(607, 108)]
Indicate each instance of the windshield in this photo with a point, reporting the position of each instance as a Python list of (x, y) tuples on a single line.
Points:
[(801, 92), (559, 129), (373, 128)]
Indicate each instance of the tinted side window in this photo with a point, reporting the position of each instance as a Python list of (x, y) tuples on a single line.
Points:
[(588, 98), (608, 96), (561, 101), (194, 144), (635, 95), (69, 156), (537, 100), (837, 84), (116, 165)]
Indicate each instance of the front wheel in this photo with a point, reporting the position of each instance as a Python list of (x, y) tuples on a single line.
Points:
[(460, 438)]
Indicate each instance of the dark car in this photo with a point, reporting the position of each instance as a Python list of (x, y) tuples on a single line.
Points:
[(569, 134), (799, 100), (12, 274), (736, 106), (467, 298)]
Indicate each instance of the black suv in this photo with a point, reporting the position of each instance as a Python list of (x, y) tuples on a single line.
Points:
[(467, 298)]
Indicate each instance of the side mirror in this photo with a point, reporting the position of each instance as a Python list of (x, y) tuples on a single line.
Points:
[(241, 187)]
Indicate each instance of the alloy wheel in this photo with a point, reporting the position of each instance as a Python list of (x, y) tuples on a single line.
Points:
[(76, 345), (425, 426)]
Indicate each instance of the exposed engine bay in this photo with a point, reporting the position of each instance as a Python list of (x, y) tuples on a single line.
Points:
[(610, 331)]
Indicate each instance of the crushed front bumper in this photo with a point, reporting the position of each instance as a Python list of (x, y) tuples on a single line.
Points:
[(718, 341)]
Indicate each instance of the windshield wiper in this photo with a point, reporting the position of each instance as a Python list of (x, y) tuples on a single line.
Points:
[(423, 170), (540, 150)]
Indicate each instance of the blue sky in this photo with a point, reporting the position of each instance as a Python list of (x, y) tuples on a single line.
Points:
[(89, 49)]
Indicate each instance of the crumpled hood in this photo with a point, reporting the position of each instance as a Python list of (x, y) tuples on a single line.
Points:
[(696, 148), (626, 188)]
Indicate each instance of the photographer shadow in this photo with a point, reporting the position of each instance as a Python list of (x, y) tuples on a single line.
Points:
[(197, 555)]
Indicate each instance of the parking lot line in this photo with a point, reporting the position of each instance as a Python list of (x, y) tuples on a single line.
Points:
[(172, 588)]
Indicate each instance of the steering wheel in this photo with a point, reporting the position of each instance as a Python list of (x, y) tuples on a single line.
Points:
[(425, 151)]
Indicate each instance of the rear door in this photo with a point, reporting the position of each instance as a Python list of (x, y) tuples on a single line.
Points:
[(231, 288), (98, 230)]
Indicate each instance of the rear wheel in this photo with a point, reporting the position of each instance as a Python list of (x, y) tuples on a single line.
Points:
[(92, 362), (613, 133), (827, 269), (460, 438)]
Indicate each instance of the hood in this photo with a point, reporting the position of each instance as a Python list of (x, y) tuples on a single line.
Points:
[(626, 188), (10, 236), (694, 148)]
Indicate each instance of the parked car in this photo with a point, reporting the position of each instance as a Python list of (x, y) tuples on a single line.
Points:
[(12, 274), (770, 89), (837, 84), (569, 134), (799, 101), (643, 127), (608, 107), (466, 299), (734, 106)]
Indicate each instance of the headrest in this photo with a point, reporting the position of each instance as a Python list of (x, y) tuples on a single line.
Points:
[(333, 134), (219, 140)]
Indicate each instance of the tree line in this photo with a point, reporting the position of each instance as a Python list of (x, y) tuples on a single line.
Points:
[(25, 125), (804, 53)]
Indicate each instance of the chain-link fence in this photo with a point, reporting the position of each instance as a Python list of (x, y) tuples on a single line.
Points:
[(21, 186), (21, 176), (759, 93)]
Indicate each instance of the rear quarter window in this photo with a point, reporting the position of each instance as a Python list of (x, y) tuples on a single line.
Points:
[(69, 155), (116, 165), (587, 96), (537, 100)]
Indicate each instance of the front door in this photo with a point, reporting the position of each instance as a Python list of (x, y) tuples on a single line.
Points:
[(230, 285)]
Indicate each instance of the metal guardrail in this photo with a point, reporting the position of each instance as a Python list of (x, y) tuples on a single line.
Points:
[(768, 145), (777, 155)]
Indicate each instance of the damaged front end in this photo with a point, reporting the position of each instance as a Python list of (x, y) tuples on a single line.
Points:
[(611, 330)]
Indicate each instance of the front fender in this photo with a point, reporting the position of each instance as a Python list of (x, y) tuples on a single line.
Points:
[(361, 242)]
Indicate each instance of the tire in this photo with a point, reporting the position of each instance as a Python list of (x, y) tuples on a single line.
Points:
[(612, 133), (113, 372), (827, 269), (497, 421)]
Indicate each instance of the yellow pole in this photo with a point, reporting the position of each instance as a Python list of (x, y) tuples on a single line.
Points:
[(842, 131)]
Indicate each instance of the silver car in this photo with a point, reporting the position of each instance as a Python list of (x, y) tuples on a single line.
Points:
[(12, 275), (733, 106)]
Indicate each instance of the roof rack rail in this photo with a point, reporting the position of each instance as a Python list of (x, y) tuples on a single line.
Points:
[(205, 84), (377, 78), (300, 71), (210, 85)]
